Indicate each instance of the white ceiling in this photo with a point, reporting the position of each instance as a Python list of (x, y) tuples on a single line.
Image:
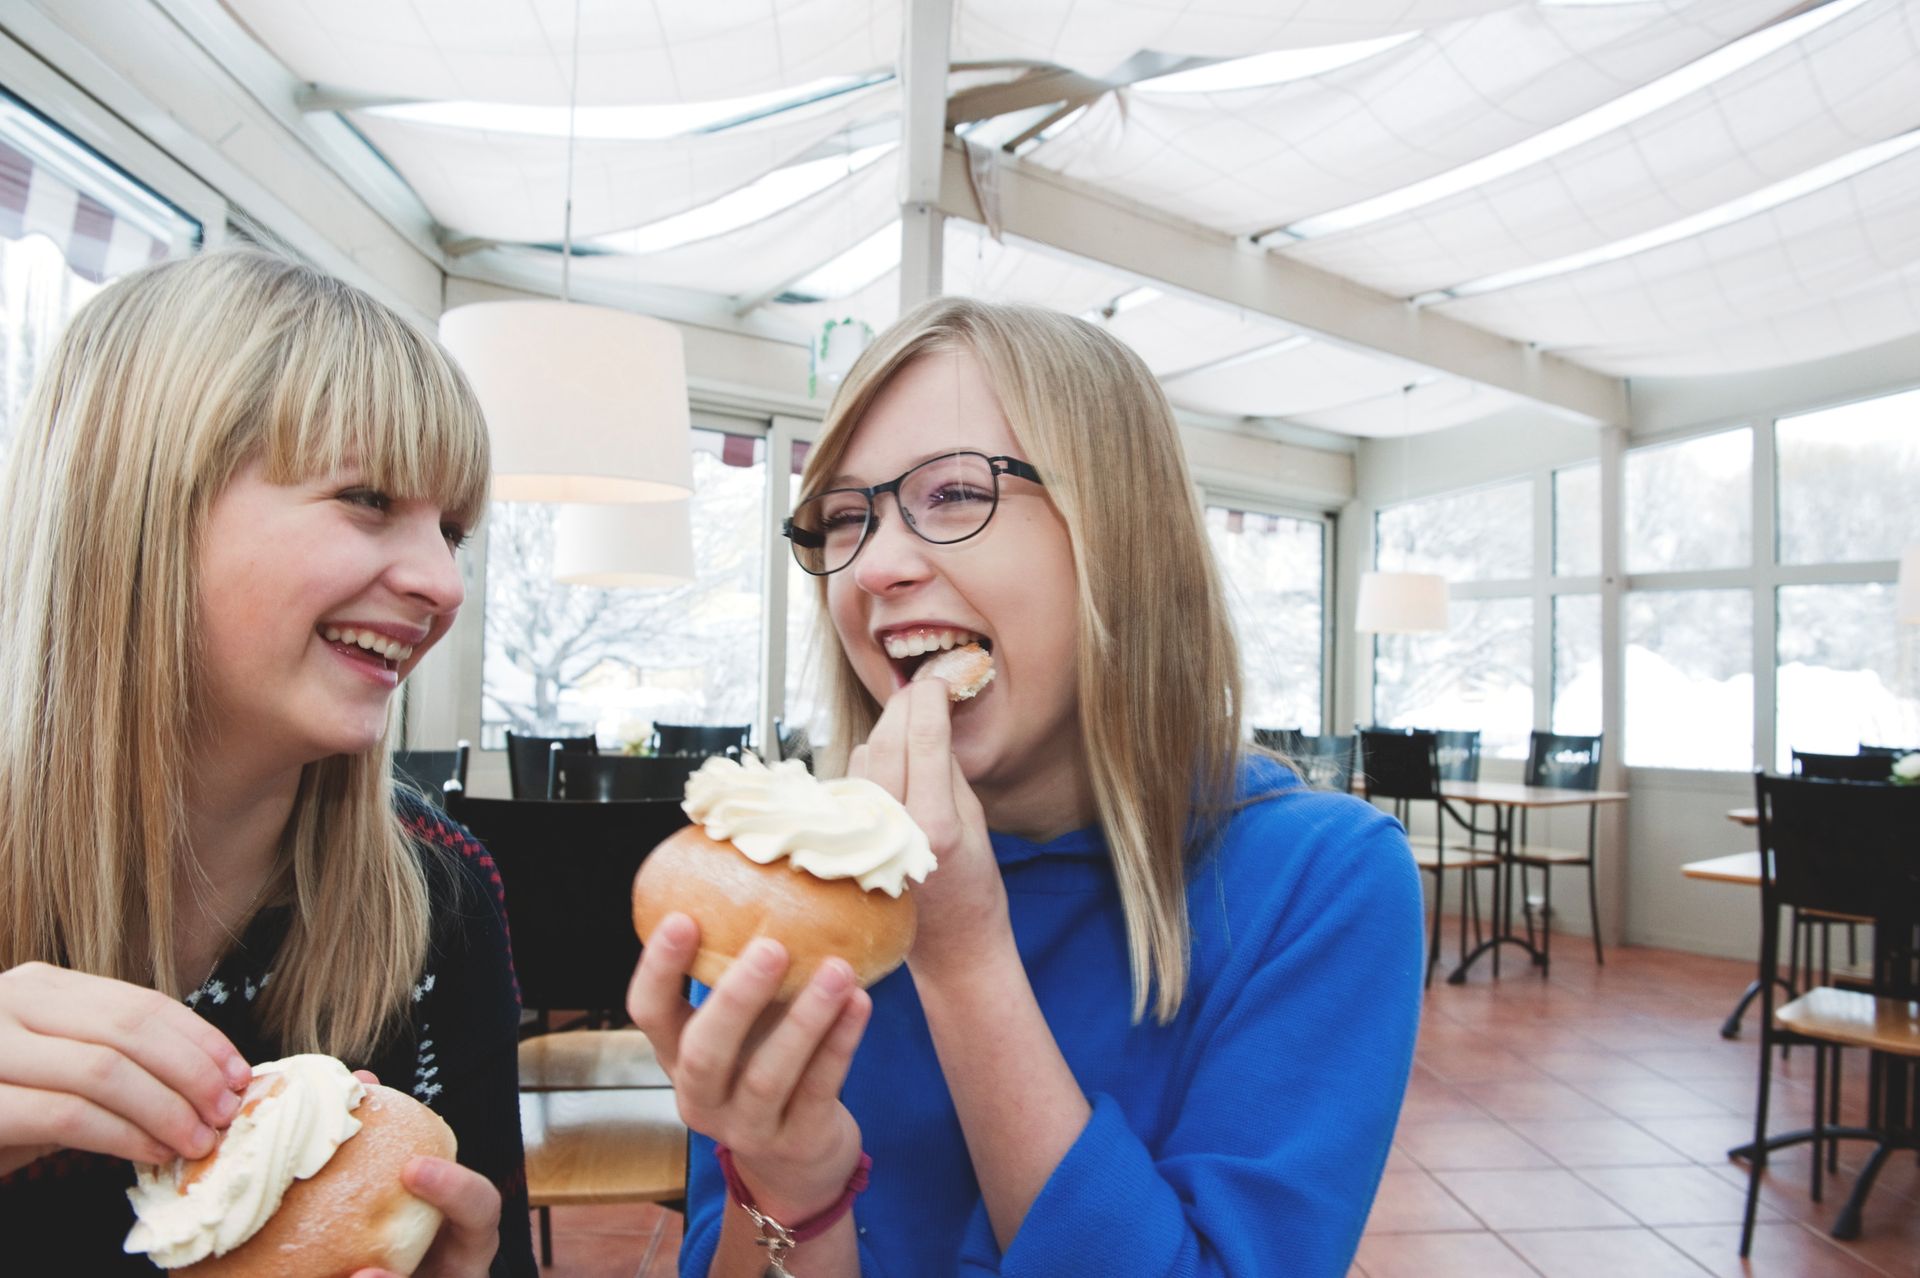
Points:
[(1714, 160)]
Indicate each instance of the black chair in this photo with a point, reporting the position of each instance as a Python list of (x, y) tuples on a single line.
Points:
[(530, 758), (1286, 741), (428, 771), (1404, 768), (600, 1127), (605, 777), (699, 738), (1839, 849), (1459, 754), (1890, 752), (1841, 767), (1561, 762)]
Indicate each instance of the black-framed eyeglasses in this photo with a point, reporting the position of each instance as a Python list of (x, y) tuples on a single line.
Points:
[(944, 499)]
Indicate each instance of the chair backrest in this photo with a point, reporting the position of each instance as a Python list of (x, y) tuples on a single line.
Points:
[(607, 777), (1401, 764), (1845, 849), (1288, 741), (1841, 767), (428, 771), (1890, 752), (1328, 761), (699, 738), (528, 760), (1562, 761), (1459, 754), (567, 872)]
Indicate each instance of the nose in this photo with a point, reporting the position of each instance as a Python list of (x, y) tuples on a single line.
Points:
[(894, 556), (423, 566)]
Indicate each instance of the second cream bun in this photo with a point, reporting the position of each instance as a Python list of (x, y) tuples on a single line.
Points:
[(734, 898), (354, 1213)]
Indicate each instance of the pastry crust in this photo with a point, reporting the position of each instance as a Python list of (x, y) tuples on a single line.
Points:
[(354, 1213), (734, 899), (966, 670)]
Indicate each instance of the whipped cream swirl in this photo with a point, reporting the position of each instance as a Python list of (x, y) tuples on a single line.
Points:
[(847, 828), (288, 1127)]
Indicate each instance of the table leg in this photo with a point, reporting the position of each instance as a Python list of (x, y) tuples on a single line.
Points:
[(1502, 903), (1731, 1028)]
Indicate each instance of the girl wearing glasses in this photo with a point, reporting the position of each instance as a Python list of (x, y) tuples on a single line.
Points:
[(230, 521), (1160, 1012)]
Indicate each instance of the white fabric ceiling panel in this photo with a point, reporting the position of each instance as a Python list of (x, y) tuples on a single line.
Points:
[(1173, 334), (1881, 311), (1250, 159), (519, 51), (1430, 406), (768, 254), (512, 187), (1016, 271), (1096, 38), (1845, 85), (1827, 244), (1291, 382)]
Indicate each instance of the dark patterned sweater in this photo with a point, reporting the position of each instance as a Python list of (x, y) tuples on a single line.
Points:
[(67, 1214)]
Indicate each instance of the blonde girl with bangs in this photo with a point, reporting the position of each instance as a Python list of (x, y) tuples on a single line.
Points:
[(1160, 1011), (230, 518)]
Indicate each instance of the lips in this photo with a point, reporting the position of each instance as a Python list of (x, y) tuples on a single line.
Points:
[(907, 646)]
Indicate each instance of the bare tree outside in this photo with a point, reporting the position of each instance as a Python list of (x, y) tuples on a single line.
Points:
[(1273, 568)]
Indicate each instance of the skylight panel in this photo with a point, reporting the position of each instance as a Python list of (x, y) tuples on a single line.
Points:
[(1616, 114), (627, 123), (762, 198), (851, 271), (1265, 69), (1052, 131), (1767, 197)]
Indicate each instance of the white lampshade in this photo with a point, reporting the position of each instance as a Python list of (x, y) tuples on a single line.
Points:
[(623, 545), (584, 403), (1401, 603), (1907, 599)]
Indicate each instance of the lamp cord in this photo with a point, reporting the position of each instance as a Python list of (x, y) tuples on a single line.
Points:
[(573, 101)]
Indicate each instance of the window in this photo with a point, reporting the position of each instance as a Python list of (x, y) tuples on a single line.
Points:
[(1576, 664), (1689, 675), (573, 659), (1576, 522), (1690, 504), (1479, 674), (1837, 679), (1274, 570), (805, 694), (69, 222), (1482, 535), (1847, 479)]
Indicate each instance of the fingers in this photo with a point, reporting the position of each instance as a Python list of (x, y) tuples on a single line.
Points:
[(367, 1076), (61, 1120), (771, 1074), (653, 996), (110, 1081), (929, 759), (714, 1039), (857, 761), (471, 1232), (826, 1072), (886, 747)]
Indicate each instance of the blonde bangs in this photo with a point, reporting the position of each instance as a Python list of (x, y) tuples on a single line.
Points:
[(356, 386)]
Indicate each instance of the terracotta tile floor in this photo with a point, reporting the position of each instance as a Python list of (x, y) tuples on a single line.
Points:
[(1554, 1129)]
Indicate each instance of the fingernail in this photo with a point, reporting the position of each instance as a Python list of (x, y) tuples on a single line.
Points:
[(833, 977), (238, 1075), (765, 955), (424, 1172), (227, 1106), (201, 1142)]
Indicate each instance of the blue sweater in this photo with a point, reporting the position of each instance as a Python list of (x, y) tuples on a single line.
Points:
[(1244, 1138)]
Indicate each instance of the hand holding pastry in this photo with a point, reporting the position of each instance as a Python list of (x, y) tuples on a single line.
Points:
[(101, 1065)]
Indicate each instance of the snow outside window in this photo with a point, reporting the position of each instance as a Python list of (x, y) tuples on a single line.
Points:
[(1848, 479), (1478, 674), (576, 659), (1576, 664), (1274, 570), (1690, 504), (1484, 534), (1839, 682), (1576, 522), (1690, 679)]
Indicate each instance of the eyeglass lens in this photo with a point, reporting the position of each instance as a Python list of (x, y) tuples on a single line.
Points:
[(944, 500)]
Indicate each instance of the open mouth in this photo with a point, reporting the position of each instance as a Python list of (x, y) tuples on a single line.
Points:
[(907, 649), (374, 650)]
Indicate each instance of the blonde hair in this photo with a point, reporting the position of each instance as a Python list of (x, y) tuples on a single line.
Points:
[(1158, 671), (162, 388)]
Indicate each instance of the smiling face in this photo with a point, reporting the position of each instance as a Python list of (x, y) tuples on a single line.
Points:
[(1012, 587), (316, 599)]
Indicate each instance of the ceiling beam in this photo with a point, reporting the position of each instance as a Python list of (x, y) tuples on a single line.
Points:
[(1097, 225), (925, 52)]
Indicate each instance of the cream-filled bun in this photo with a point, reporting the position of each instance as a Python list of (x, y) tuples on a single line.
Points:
[(305, 1183), (820, 866)]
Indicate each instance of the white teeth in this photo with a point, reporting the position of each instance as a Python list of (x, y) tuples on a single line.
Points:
[(332, 635), (913, 644), (391, 649)]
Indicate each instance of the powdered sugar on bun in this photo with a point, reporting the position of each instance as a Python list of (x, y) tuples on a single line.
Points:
[(965, 670)]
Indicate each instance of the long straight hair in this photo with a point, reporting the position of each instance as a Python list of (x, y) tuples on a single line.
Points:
[(1158, 672), (161, 389)]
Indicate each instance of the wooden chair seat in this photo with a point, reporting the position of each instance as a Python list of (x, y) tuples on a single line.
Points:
[(1854, 1019), (1426, 855), (589, 1060), (1538, 855), (603, 1146)]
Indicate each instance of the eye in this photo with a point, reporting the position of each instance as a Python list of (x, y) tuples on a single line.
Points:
[(371, 498), (456, 535), (954, 493)]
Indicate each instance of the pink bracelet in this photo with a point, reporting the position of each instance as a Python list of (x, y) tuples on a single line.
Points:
[(806, 1230)]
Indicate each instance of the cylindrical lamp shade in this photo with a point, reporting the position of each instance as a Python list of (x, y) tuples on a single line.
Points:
[(1907, 599), (624, 545), (583, 403), (1401, 603)]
